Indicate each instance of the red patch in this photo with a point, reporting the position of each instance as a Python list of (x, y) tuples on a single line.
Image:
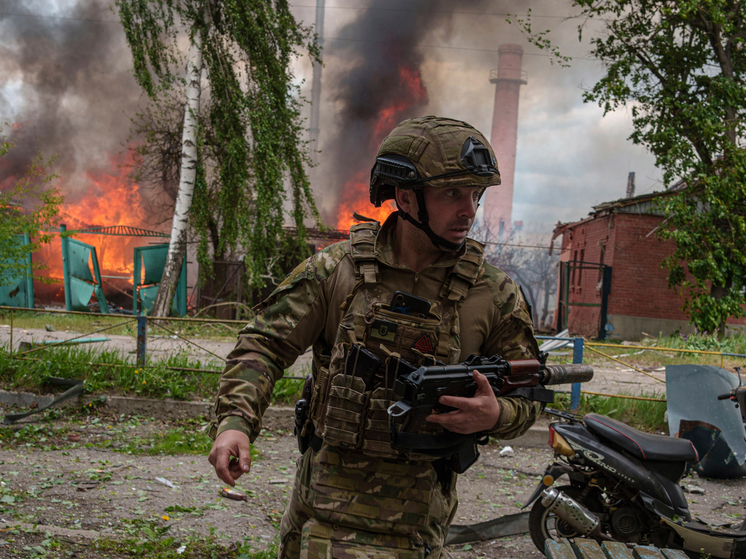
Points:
[(424, 344)]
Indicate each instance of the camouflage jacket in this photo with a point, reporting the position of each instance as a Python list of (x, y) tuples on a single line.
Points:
[(304, 311)]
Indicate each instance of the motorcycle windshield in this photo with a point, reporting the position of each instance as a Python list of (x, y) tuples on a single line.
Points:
[(691, 393)]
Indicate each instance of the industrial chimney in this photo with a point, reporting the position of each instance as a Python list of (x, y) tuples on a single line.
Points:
[(630, 185), (508, 78)]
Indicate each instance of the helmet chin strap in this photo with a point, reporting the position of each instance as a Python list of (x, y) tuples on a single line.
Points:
[(424, 226)]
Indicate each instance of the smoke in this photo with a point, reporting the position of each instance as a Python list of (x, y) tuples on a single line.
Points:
[(66, 86), (378, 59)]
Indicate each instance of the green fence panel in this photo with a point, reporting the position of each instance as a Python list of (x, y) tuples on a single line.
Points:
[(80, 294), (80, 283), (80, 254), (153, 259), (147, 298)]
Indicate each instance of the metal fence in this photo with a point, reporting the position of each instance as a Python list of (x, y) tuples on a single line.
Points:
[(579, 345), (140, 322)]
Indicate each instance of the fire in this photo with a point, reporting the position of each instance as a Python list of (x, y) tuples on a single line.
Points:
[(411, 82), (355, 193), (356, 198), (111, 199)]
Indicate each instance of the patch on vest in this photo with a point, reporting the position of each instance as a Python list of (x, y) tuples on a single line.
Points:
[(424, 344), (383, 330)]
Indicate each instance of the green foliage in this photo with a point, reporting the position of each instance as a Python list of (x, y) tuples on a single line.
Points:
[(680, 66), (30, 206), (287, 391), (250, 156), (641, 414), (108, 372), (702, 341), (539, 39)]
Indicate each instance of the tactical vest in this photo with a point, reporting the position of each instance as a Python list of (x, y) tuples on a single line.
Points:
[(346, 411)]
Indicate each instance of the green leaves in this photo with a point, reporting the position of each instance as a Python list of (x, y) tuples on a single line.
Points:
[(251, 176), (680, 66), (30, 208)]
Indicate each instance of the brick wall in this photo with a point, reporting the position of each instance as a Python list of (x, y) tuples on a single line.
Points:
[(639, 286)]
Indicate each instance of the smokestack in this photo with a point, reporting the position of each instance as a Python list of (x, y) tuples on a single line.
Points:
[(630, 185), (508, 78)]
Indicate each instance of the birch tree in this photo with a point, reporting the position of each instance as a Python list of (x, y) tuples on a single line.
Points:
[(247, 47)]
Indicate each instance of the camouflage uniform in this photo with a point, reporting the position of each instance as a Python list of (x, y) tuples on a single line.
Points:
[(357, 497)]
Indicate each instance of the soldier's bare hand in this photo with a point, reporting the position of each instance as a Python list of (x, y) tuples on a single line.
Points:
[(231, 456), (475, 414)]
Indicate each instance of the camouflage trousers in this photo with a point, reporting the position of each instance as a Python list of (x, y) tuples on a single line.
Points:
[(346, 505)]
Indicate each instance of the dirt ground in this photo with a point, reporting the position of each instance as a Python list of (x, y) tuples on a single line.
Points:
[(80, 494)]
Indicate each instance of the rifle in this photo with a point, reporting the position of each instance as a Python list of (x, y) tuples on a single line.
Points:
[(420, 389)]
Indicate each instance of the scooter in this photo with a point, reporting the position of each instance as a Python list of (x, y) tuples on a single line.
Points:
[(624, 486)]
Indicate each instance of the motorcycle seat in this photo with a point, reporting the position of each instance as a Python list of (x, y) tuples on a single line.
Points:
[(642, 445)]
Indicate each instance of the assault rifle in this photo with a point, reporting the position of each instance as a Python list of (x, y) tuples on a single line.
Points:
[(420, 390)]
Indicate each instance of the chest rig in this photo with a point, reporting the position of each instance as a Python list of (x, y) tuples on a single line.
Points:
[(351, 398)]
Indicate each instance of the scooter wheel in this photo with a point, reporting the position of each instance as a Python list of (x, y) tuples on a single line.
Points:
[(544, 525)]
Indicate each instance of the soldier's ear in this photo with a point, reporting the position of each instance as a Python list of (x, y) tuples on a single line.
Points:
[(406, 200)]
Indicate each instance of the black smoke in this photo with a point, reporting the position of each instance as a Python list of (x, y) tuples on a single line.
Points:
[(388, 40), (66, 87)]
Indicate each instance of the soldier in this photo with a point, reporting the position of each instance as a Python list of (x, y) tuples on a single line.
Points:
[(355, 495)]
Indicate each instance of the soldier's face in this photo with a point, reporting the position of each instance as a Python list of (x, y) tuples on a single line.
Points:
[(451, 211)]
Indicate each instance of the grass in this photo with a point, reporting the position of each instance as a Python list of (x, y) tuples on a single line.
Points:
[(142, 538), (109, 372), (640, 414)]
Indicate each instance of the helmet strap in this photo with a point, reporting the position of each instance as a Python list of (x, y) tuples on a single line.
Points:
[(423, 224)]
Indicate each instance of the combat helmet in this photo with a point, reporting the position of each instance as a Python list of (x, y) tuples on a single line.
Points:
[(431, 151)]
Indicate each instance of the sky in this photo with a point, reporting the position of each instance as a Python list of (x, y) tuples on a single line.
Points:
[(66, 83)]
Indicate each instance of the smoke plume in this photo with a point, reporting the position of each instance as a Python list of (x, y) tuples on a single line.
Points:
[(67, 87), (380, 82)]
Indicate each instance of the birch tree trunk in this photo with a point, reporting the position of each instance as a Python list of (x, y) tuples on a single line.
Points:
[(177, 244)]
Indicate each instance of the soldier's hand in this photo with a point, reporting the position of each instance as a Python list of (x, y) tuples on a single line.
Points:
[(231, 456), (475, 414)]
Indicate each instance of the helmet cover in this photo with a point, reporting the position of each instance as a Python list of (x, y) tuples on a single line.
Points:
[(432, 151)]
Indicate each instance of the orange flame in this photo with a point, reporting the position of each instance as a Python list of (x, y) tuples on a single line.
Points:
[(355, 193), (111, 199), (356, 198)]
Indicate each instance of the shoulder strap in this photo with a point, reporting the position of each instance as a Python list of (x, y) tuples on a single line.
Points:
[(362, 250), (465, 273)]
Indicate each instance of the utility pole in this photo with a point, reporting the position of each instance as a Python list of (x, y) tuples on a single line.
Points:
[(313, 132)]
